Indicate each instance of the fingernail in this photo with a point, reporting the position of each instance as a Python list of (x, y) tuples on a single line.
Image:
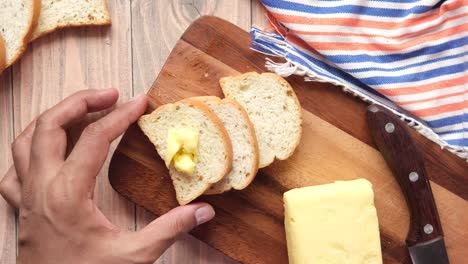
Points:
[(204, 214)]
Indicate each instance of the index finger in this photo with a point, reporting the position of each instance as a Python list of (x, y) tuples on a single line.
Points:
[(90, 152), (49, 140)]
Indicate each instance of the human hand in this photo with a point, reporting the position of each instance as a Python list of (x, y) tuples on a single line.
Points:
[(58, 220)]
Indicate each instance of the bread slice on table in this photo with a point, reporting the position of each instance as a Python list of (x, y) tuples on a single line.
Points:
[(70, 13), (274, 110), (244, 143), (214, 158), (18, 18), (2, 55)]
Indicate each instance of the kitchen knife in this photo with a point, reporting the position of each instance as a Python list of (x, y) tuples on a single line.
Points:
[(425, 240)]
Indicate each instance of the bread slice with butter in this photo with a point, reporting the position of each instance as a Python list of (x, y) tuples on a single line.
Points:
[(244, 143), (274, 110), (332, 223), (70, 13), (18, 19), (213, 157)]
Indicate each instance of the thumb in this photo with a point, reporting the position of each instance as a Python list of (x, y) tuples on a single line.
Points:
[(157, 236)]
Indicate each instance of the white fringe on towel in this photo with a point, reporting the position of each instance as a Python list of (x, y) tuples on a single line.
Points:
[(289, 68)]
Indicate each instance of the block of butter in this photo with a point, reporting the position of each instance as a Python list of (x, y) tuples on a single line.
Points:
[(332, 223)]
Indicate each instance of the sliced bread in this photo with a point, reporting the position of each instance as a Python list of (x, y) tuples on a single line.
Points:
[(244, 143), (18, 18), (274, 110), (65, 13), (214, 155), (2, 54)]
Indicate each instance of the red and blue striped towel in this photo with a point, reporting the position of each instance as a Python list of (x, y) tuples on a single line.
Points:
[(407, 55)]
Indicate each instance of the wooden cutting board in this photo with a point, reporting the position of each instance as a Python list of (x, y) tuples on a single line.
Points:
[(336, 145)]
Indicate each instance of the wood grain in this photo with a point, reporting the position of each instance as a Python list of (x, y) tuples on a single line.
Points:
[(249, 224), (259, 18), (132, 55), (69, 60), (7, 216), (156, 31), (66, 61), (157, 25)]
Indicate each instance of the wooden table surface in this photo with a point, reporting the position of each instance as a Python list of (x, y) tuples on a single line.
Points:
[(128, 56)]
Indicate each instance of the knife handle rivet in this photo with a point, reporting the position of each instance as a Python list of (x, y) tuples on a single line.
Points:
[(428, 229), (389, 127), (373, 109), (413, 176)]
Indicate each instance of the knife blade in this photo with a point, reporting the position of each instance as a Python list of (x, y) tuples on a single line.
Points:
[(424, 240)]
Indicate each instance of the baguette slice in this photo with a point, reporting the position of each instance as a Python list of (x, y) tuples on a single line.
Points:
[(214, 159), (244, 143), (274, 110), (18, 18), (69, 13), (2, 55)]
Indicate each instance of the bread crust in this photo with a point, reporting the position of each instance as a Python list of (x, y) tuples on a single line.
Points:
[(219, 125), (108, 21), (280, 79), (2, 55), (33, 20), (252, 136)]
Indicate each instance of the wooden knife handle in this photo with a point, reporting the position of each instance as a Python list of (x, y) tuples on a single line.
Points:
[(402, 156)]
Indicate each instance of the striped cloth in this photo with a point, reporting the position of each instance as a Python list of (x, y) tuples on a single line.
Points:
[(407, 55)]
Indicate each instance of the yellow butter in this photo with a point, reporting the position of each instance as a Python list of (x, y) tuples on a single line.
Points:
[(182, 145), (184, 163), (333, 223)]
